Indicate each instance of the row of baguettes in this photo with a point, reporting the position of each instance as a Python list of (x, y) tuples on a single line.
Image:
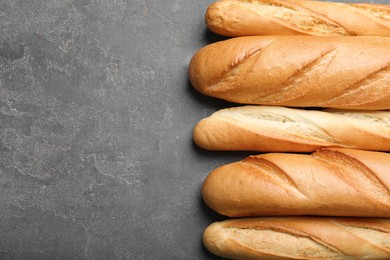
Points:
[(281, 129), (335, 72), (297, 71), (300, 238), (297, 17)]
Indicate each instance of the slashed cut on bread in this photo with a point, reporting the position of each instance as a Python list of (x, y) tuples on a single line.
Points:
[(300, 238), (281, 129), (297, 71), (329, 182), (297, 17)]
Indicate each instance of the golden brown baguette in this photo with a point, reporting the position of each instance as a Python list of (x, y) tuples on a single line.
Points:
[(299, 71), (293, 17), (329, 182), (280, 129), (300, 238)]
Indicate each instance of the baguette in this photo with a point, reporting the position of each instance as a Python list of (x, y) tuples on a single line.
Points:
[(289, 17), (300, 238), (280, 129), (299, 71), (329, 182)]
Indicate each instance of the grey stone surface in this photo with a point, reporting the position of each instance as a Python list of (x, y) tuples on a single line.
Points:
[(96, 118)]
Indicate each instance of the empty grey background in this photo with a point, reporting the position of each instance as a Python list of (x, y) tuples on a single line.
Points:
[(96, 118)]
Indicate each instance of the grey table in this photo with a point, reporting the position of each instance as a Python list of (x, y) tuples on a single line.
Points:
[(96, 117)]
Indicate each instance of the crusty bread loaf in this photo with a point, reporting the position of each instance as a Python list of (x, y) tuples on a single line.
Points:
[(299, 71), (300, 238), (297, 17), (280, 129), (330, 182)]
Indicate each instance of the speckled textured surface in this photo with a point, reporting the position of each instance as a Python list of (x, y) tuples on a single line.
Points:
[(96, 118)]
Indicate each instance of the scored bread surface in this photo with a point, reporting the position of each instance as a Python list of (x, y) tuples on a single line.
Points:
[(280, 129), (300, 238), (293, 17), (329, 182), (298, 71)]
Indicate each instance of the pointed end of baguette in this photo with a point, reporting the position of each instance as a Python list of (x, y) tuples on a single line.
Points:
[(217, 14), (195, 71), (200, 135), (210, 191), (213, 18), (215, 239)]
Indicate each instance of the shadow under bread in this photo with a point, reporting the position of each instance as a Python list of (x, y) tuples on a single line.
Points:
[(211, 37)]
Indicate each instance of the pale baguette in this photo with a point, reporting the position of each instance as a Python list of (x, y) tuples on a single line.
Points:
[(330, 182), (300, 238), (297, 17), (280, 129), (299, 71)]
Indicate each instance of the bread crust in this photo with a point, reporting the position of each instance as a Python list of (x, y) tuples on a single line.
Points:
[(292, 17), (280, 129), (297, 71), (300, 238), (329, 182)]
